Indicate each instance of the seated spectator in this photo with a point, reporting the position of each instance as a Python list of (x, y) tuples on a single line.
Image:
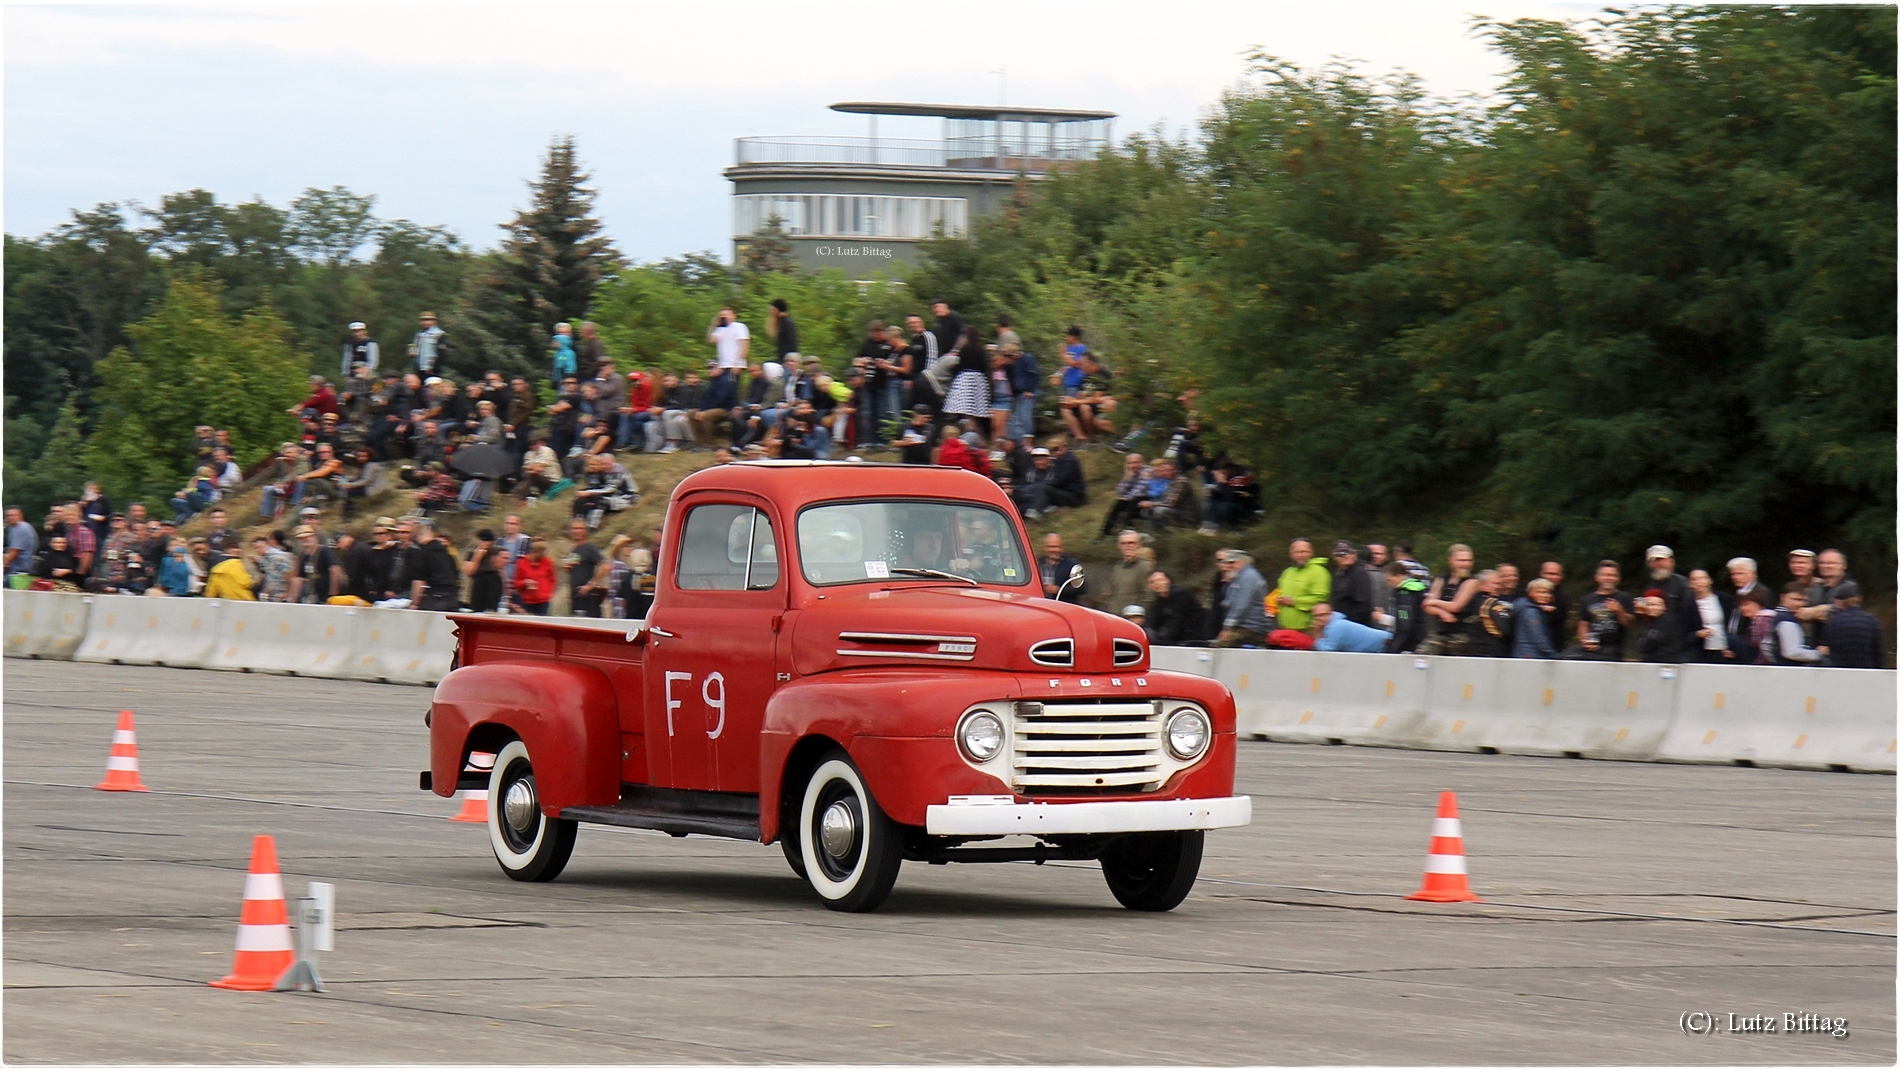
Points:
[(224, 471), (425, 448), (957, 452), (487, 429), (1045, 489), (442, 491), (682, 400), (320, 480), (322, 400), (913, 442), (1174, 615), (1170, 498), (359, 479), (1086, 412), (1129, 493), (606, 487), (540, 468), (1233, 498), (1535, 626), (284, 482), (715, 405), (1333, 632), (197, 495), (1854, 638)]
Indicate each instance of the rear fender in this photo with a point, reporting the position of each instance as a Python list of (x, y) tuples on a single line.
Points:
[(566, 714), (899, 727)]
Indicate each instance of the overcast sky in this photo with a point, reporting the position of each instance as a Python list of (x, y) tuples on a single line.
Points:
[(442, 110)]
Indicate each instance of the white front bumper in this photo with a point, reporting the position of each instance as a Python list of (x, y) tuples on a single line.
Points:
[(1089, 818)]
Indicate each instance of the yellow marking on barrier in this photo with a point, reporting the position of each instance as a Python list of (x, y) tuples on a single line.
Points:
[(230, 651), (369, 658), (1306, 717), (1316, 684), (111, 619), (1379, 723), (239, 627), (1891, 745), (324, 656), (1721, 699), (1810, 705), (194, 623), (283, 629), (151, 622), (1549, 695), (329, 632), (102, 642), (1709, 738), (1799, 741), (1390, 687), (1457, 726), (1621, 734), (17, 639), (1467, 698), (1632, 700), (26, 616), (69, 616), (414, 663), (375, 634), (1242, 681)]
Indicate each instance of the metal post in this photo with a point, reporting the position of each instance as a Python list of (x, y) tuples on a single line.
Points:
[(315, 932)]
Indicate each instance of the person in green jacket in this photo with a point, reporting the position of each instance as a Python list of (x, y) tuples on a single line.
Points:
[(1307, 583)]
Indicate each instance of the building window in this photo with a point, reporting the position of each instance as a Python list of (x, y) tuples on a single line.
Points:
[(829, 215)]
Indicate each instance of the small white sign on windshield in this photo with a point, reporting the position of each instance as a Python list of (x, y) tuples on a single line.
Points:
[(877, 569)]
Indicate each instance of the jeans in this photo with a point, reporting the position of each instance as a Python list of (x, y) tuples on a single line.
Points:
[(821, 442), (1022, 417), (274, 499), (633, 428)]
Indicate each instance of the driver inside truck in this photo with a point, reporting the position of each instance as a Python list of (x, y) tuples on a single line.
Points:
[(926, 549), (980, 535)]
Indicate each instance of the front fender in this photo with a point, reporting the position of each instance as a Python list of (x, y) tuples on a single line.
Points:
[(897, 724), (566, 714)]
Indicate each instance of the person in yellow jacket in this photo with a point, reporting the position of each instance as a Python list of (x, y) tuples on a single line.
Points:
[(229, 580), (1302, 586)]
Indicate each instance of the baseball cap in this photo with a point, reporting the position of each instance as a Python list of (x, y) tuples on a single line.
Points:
[(920, 410), (1808, 553), (1343, 546), (431, 380), (304, 529), (427, 315), (1660, 552), (1847, 589), (1134, 610), (359, 326), (1039, 452)]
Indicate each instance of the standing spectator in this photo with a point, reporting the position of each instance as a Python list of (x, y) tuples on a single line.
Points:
[(95, 510), (592, 354), (484, 569), (1375, 560), (1744, 575), (923, 354), (1661, 561), (275, 566), (1785, 642), (428, 347), (1832, 566), (1801, 570), (84, 544), (1552, 572), (1128, 579), (318, 572), (1331, 631), (1535, 625), (1304, 584), (434, 583), (731, 341), (359, 566), (1507, 582), (618, 572), (534, 579), (610, 396), (1854, 639), (1605, 615), (563, 361), (585, 572), (1352, 591), (1452, 600), (778, 317), (23, 543), (969, 390), (222, 538), (875, 408), (174, 570), (1754, 607), (950, 327), (522, 405), (1489, 630), (1002, 393), (914, 444), (1705, 620), (385, 555), (1406, 611), (228, 580), (361, 351), (116, 572), (1175, 617), (1061, 574), (1025, 380), (1243, 604), (1659, 632), (564, 417), (515, 545)]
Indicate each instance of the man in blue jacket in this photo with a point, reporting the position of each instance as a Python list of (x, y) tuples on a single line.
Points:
[(1332, 632)]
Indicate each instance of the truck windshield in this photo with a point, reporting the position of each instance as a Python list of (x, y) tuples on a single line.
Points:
[(872, 540)]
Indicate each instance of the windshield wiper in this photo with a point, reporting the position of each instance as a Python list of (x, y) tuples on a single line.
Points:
[(934, 573)]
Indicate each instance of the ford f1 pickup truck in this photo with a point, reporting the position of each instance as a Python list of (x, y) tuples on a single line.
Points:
[(858, 662)]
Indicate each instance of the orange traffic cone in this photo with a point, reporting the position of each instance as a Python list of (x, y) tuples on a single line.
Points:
[(263, 939), (1445, 878), (475, 803), (122, 766)]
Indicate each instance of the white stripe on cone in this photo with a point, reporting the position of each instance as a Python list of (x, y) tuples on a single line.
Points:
[(123, 738), (122, 764), (1446, 828), (1445, 864), (263, 937), (265, 885)]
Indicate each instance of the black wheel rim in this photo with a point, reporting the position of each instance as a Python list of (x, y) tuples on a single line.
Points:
[(837, 865), (517, 782)]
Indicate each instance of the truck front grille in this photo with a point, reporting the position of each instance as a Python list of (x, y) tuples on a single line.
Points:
[(1087, 747)]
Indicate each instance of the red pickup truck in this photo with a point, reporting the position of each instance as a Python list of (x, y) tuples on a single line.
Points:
[(856, 661)]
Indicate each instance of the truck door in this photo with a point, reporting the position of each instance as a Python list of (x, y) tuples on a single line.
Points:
[(711, 661)]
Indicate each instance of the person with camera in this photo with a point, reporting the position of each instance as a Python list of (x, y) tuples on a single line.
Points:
[(731, 341)]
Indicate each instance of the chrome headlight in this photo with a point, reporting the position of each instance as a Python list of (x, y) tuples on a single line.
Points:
[(980, 735), (1188, 733)]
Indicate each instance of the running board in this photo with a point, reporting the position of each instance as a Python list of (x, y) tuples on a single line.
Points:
[(726, 815)]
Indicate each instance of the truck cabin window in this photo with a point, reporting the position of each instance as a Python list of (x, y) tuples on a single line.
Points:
[(876, 540), (727, 547)]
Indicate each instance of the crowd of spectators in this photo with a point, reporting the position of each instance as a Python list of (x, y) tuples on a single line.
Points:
[(945, 393), (1381, 599)]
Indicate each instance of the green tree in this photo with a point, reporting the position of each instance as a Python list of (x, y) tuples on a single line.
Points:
[(188, 364), (767, 251), (54, 474)]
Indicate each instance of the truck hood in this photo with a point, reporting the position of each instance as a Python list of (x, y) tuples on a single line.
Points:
[(910, 625)]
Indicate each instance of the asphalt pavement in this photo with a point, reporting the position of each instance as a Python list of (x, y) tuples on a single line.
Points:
[(1619, 898)]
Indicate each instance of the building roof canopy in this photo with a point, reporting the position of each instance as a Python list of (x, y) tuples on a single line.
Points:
[(971, 111)]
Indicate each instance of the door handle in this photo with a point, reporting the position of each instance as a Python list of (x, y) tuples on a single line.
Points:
[(658, 632)]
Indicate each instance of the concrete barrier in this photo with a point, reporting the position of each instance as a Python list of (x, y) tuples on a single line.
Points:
[(175, 632), (300, 640), (1365, 699), (400, 645), (1194, 662), (1840, 718), (43, 624), (1548, 708)]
